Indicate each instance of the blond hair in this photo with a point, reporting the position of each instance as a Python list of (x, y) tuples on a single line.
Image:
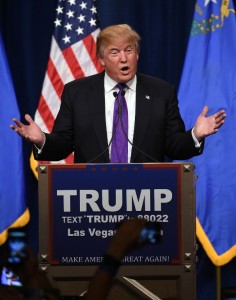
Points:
[(112, 32)]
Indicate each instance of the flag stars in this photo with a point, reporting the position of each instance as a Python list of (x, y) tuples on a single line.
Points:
[(57, 22), (72, 2), (92, 22), (94, 10), (83, 5), (81, 18), (79, 30), (66, 39), (68, 26), (59, 10), (70, 14)]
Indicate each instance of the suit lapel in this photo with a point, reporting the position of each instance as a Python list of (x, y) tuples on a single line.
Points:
[(143, 110), (97, 107)]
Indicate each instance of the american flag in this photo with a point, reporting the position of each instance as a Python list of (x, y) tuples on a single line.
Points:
[(72, 55)]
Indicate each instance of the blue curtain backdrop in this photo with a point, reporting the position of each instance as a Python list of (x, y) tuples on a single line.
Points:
[(164, 25)]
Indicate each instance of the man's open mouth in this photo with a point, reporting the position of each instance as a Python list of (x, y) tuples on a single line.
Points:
[(125, 68)]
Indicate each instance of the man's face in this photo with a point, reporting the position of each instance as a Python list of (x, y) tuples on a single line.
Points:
[(119, 60)]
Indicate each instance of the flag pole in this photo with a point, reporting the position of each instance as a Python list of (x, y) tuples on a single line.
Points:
[(218, 283)]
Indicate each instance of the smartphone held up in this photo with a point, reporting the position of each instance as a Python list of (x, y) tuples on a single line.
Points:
[(14, 255), (151, 233)]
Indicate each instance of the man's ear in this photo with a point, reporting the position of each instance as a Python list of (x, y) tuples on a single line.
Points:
[(102, 62)]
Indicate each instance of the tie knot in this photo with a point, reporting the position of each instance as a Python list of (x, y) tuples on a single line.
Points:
[(121, 86)]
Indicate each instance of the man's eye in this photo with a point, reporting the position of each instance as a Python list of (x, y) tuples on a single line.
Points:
[(129, 50), (114, 52)]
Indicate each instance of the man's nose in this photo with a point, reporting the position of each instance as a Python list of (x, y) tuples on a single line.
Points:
[(123, 56)]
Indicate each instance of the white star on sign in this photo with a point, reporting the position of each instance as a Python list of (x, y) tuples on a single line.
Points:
[(208, 1)]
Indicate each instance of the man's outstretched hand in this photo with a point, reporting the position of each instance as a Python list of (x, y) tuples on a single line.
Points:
[(206, 126), (30, 132)]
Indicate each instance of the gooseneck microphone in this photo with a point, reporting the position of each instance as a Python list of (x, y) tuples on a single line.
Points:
[(120, 105), (115, 94)]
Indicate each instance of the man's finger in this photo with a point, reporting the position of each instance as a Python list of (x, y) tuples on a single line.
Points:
[(18, 123), (28, 119), (204, 111)]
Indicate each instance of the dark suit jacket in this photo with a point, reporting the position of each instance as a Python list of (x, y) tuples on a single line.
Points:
[(80, 125)]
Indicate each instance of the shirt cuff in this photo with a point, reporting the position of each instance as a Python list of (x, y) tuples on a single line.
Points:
[(39, 150), (196, 142)]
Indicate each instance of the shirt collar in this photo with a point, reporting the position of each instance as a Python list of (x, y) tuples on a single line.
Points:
[(109, 84)]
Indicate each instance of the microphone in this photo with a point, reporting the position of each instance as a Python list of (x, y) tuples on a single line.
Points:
[(120, 106), (115, 94)]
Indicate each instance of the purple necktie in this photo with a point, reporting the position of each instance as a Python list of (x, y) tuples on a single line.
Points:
[(119, 146)]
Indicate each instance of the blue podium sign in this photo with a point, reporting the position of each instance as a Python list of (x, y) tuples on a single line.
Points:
[(86, 202)]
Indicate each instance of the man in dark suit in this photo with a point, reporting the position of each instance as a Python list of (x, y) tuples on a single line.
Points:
[(84, 122)]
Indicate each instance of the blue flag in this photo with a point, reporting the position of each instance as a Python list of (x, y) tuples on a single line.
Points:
[(209, 78), (13, 210)]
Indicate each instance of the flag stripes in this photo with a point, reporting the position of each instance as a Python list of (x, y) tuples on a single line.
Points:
[(72, 55)]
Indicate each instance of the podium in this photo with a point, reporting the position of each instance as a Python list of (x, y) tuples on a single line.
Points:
[(80, 206)]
